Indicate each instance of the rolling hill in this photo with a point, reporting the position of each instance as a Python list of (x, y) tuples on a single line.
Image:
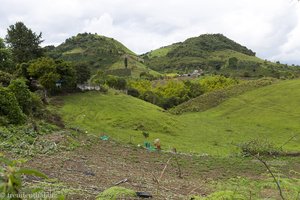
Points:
[(100, 53), (214, 53), (271, 112)]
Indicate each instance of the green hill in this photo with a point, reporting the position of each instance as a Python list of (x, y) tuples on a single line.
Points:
[(100, 53), (214, 53), (271, 112), (213, 99)]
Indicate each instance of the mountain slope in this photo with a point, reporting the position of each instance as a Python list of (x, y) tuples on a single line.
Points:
[(271, 112), (214, 53), (99, 52)]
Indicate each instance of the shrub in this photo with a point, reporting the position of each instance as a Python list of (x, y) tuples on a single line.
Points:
[(22, 93), (116, 82), (115, 193), (5, 78), (10, 107), (212, 83), (37, 105), (258, 146), (151, 97), (133, 92)]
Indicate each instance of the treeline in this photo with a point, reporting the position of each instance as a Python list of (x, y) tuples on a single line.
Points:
[(27, 77)]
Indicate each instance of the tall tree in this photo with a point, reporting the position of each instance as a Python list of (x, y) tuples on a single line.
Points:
[(126, 61), (25, 43), (6, 63)]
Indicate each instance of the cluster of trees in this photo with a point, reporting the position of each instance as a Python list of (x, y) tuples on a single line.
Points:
[(25, 73), (17, 102), (170, 93), (107, 81)]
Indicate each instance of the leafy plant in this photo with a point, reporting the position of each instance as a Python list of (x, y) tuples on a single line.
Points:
[(11, 177), (258, 146)]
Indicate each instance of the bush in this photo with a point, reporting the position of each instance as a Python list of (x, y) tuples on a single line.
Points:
[(212, 83), (258, 146), (37, 105), (151, 97), (116, 82), (22, 93), (170, 102), (133, 92), (10, 108), (5, 78), (115, 193)]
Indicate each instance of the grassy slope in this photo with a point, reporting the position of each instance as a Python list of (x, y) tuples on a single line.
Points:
[(213, 99), (99, 52), (270, 112), (136, 67), (163, 51)]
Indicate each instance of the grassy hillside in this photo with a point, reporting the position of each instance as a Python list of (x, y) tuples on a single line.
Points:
[(212, 53), (270, 112), (136, 67), (96, 50), (100, 53), (213, 99)]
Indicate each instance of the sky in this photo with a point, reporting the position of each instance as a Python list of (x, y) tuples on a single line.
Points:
[(271, 28)]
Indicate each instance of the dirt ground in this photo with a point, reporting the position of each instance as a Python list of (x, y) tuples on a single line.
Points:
[(98, 165)]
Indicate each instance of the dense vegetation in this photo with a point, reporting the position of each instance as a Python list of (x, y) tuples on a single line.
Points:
[(26, 77), (170, 93)]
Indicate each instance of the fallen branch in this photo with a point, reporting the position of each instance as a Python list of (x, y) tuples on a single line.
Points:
[(163, 171), (290, 139), (122, 181)]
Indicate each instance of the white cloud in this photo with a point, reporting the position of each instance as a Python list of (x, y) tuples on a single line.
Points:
[(269, 27)]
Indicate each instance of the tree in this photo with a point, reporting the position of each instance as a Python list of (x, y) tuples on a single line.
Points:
[(126, 62), (67, 74), (233, 62), (44, 70), (6, 63), (83, 72), (25, 43), (116, 82), (51, 72)]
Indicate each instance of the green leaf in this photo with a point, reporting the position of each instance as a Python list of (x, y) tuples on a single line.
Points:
[(31, 172), (6, 161)]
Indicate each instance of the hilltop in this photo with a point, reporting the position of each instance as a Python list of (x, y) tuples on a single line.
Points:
[(214, 53), (99, 53)]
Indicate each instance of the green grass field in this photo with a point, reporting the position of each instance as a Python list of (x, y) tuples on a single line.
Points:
[(271, 112)]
